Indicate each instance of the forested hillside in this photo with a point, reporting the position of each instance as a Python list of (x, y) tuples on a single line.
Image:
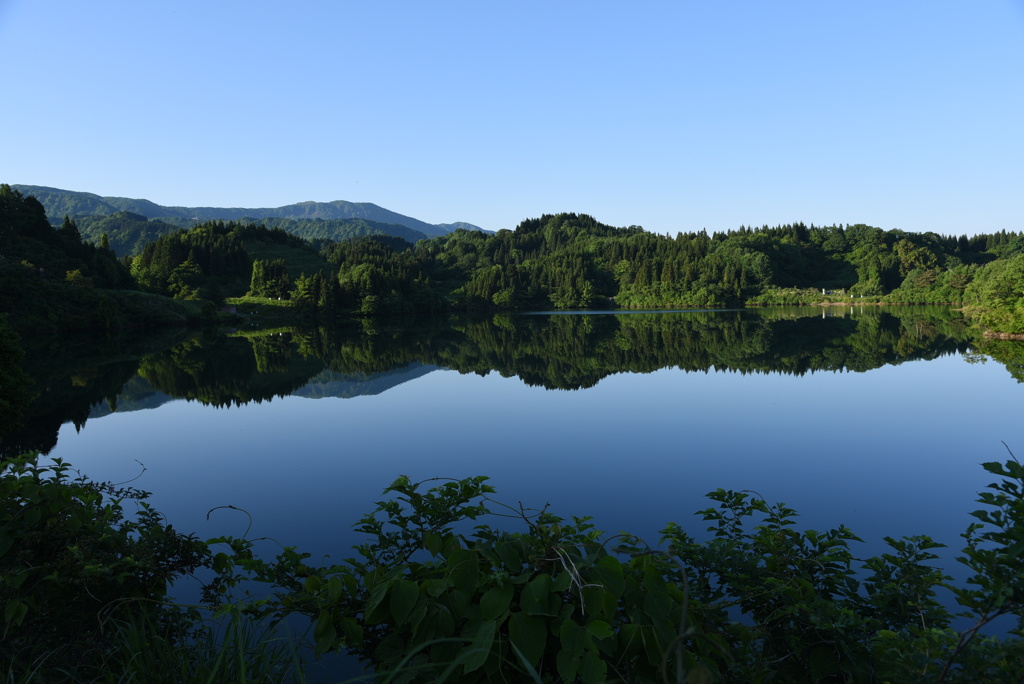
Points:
[(563, 261), (50, 280), (128, 233), (60, 203), (570, 261)]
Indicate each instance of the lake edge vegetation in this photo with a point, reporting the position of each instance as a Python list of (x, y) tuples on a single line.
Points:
[(453, 585)]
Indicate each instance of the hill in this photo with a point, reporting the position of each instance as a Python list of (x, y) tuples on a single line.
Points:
[(129, 233), (59, 203), (51, 281)]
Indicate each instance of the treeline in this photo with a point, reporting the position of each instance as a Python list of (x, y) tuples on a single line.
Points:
[(570, 261), (573, 261), (563, 261), (51, 280)]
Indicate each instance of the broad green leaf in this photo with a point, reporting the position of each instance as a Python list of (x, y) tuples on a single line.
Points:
[(441, 622), (451, 545), (609, 573), (402, 595), (700, 674), (374, 602), (573, 637), (480, 648), (15, 612), (392, 649), (335, 588), (324, 632), (600, 629), (562, 582), (593, 669), (459, 601), (494, 603), (351, 631), (529, 634), (433, 543), (510, 556), (568, 665), (463, 569), (598, 601), (536, 597)]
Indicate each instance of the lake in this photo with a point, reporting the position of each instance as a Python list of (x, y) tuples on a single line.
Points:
[(869, 417)]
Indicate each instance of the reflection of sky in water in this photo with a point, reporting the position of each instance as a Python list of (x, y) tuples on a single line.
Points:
[(893, 451)]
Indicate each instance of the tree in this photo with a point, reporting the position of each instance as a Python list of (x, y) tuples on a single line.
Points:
[(995, 297), (269, 279), (70, 230), (186, 280), (15, 385)]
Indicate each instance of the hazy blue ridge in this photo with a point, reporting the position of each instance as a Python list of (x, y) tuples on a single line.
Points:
[(347, 385), (136, 395), (139, 395), (59, 203)]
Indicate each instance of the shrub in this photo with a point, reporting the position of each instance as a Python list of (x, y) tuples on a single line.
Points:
[(71, 557)]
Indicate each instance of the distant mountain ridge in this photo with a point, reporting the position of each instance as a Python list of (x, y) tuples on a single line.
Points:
[(138, 393), (60, 203)]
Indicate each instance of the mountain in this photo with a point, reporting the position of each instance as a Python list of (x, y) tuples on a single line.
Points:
[(347, 385), (138, 393), (75, 204), (128, 233)]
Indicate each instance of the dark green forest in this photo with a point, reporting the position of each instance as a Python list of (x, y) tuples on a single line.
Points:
[(570, 261), (52, 281), (563, 261), (128, 233)]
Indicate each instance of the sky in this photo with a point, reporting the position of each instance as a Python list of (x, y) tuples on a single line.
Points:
[(675, 116)]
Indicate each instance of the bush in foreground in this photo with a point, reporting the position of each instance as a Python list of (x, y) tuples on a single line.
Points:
[(438, 595)]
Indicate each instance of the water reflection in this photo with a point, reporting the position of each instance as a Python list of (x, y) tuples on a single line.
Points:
[(553, 351)]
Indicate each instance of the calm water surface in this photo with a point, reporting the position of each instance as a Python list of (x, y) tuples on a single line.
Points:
[(890, 450)]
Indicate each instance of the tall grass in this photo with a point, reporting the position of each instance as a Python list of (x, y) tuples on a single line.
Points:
[(231, 649)]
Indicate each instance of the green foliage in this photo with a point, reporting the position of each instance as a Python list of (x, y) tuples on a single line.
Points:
[(995, 297), (383, 277), (340, 230), (334, 220), (572, 261), (206, 262), (561, 261), (217, 260), (15, 384), (428, 599), (269, 279), (437, 593), (52, 281), (127, 233), (71, 557), (26, 235)]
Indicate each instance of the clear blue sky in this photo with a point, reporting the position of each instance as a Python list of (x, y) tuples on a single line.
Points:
[(676, 116)]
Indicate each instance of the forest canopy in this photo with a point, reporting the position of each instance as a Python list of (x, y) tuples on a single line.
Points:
[(559, 261)]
